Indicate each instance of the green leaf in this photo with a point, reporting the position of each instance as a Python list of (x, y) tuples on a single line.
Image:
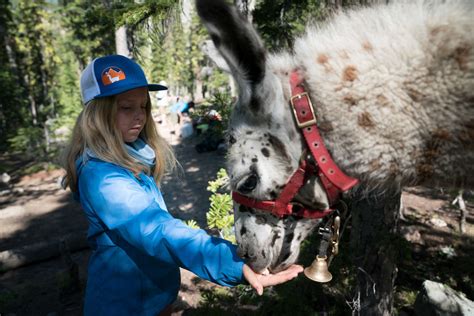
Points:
[(192, 223)]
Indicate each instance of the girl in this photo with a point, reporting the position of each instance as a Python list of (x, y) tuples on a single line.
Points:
[(113, 163)]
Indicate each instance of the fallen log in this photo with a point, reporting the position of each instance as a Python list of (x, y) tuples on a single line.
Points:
[(40, 251)]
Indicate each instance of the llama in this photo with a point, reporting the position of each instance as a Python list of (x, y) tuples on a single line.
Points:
[(392, 88), (112, 79), (111, 75)]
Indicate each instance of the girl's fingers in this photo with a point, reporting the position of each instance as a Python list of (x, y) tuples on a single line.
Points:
[(280, 277), (294, 268), (252, 279), (259, 281)]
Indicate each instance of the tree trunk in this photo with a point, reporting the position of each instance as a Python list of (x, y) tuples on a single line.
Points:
[(121, 43), (246, 7), (186, 14), (373, 241), (198, 93), (33, 110)]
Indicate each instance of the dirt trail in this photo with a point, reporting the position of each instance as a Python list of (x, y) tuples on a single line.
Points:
[(38, 212)]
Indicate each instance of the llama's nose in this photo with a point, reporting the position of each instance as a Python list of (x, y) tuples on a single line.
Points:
[(242, 252), (246, 253)]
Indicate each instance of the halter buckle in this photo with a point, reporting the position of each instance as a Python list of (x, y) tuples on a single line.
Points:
[(307, 123)]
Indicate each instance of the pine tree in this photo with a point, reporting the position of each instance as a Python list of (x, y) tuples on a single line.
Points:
[(12, 103), (33, 45)]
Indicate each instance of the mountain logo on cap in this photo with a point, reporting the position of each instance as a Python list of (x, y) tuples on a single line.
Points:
[(112, 74)]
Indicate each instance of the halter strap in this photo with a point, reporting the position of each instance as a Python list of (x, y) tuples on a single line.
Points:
[(332, 178), (283, 206)]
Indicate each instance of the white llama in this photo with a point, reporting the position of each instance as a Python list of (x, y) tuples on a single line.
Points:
[(392, 88)]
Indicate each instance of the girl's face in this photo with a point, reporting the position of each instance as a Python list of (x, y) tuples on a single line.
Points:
[(131, 113)]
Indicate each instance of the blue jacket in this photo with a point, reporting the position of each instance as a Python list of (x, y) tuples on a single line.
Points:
[(138, 246)]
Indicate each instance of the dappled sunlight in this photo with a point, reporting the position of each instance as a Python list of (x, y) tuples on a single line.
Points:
[(186, 207), (32, 187), (433, 211), (192, 169), (185, 191), (46, 218), (13, 227), (168, 132)]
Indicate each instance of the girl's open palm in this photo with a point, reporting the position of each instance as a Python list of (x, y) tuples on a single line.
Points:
[(259, 281)]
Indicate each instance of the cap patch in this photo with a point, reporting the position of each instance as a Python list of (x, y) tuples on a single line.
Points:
[(112, 74)]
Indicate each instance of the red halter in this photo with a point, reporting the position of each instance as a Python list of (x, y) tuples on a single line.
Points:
[(333, 179)]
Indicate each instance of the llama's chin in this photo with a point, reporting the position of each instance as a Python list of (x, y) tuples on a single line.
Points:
[(260, 269), (264, 272), (278, 268)]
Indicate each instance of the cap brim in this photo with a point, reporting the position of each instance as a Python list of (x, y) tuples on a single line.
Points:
[(156, 87), (151, 87)]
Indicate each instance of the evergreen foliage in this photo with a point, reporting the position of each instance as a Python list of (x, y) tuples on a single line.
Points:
[(220, 214), (192, 223), (47, 44), (280, 21), (89, 28), (35, 66), (12, 101), (134, 14)]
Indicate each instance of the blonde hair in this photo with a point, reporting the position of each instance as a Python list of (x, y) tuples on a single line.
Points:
[(96, 130)]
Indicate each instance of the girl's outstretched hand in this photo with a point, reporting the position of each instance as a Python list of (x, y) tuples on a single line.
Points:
[(259, 281)]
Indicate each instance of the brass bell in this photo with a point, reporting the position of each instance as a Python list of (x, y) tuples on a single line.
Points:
[(318, 271)]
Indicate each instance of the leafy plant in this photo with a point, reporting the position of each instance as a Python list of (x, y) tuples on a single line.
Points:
[(220, 214), (221, 181), (192, 223), (28, 140)]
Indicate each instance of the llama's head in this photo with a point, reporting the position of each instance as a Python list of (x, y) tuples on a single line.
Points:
[(265, 145)]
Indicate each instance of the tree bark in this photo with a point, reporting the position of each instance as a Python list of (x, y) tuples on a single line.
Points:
[(33, 110), (198, 92), (373, 237), (121, 43), (246, 7)]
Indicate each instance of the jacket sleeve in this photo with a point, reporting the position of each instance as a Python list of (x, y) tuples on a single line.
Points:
[(135, 218)]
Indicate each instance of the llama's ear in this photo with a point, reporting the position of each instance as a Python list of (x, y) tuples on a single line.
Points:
[(236, 40), (210, 50)]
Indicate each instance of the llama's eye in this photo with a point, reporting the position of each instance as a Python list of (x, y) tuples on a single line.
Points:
[(249, 184)]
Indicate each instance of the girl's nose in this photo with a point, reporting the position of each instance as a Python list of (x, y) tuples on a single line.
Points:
[(139, 114)]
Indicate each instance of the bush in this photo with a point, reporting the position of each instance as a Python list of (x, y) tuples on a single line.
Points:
[(221, 103), (220, 214), (28, 140)]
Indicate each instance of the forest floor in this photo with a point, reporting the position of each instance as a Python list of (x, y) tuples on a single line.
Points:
[(34, 210)]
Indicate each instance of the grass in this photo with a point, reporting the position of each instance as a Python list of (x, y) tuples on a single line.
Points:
[(7, 298)]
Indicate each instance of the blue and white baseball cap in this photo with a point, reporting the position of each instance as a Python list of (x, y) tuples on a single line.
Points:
[(110, 75)]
